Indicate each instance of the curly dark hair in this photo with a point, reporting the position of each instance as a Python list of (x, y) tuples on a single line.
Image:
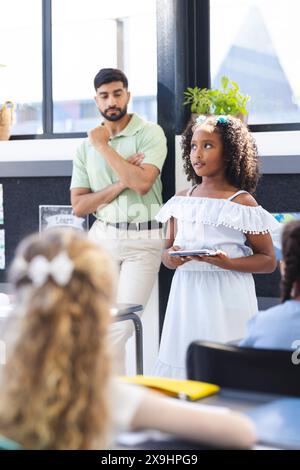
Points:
[(291, 257), (240, 151)]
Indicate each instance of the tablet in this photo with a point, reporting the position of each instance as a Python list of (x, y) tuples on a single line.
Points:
[(202, 252)]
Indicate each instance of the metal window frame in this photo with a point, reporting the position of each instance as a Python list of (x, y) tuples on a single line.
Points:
[(47, 104), (47, 97), (189, 27), (47, 70)]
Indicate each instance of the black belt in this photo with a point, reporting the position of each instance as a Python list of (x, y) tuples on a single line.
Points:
[(150, 225)]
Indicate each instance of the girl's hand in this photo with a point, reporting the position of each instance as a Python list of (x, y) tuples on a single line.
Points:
[(221, 259), (176, 261)]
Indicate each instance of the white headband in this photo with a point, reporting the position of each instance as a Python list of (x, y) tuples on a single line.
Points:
[(60, 268)]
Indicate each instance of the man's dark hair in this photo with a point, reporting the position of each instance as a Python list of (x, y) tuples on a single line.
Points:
[(108, 76)]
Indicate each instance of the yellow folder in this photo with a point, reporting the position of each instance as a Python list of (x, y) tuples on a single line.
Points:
[(187, 389)]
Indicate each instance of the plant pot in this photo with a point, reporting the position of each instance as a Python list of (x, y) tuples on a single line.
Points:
[(6, 119)]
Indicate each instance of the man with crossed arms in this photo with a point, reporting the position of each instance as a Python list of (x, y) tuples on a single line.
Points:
[(116, 176)]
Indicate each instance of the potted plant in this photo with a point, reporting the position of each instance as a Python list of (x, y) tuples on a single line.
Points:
[(225, 100), (6, 118)]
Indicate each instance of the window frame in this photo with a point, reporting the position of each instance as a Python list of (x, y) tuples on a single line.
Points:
[(47, 97), (194, 70), (47, 79)]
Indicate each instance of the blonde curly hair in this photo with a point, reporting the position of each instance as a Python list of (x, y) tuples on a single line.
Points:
[(54, 393)]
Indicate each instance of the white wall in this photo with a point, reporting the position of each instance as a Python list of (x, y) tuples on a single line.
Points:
[(269, 143)]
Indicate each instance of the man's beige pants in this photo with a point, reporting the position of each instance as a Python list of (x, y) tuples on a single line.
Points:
[(138, 256)]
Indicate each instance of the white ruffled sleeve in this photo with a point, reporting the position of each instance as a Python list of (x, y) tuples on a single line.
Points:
[(210, 211), (167, 210)]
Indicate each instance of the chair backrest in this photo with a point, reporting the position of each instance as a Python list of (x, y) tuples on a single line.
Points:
[(261, 370)]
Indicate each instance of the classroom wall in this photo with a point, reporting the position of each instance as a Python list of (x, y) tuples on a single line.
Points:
[(276, 193), (21, 200)]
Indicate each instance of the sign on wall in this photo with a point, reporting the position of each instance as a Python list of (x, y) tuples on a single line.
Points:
[(60, 216)]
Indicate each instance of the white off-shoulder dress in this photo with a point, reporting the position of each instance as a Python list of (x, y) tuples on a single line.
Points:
[(207, 302)]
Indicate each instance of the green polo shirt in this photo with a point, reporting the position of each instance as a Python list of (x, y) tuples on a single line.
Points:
[(90, 170)]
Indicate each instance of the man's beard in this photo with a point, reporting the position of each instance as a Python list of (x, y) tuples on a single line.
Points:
[(119, 113)]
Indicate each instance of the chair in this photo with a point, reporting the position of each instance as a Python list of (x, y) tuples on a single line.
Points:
[(128, 312), (251, 369)]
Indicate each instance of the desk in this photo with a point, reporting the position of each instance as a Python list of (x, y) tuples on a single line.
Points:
[(128, 312), (234, 399), (238, 400)]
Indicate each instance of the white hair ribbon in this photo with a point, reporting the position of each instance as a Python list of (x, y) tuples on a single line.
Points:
[(201, 118), (60, 268)]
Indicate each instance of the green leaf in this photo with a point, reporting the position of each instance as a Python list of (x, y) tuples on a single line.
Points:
[(224, 100), (224, 82)]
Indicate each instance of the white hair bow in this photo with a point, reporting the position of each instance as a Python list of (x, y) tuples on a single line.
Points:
[(60, 268), (201, 118)]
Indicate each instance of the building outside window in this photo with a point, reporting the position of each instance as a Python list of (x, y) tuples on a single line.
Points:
[(254, 42)]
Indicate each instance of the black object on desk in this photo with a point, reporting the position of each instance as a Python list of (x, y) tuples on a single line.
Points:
[(251, 369), (128, 312)]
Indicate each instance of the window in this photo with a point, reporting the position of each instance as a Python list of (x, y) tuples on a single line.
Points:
[(255, 43), (21, 52), (88, 35)]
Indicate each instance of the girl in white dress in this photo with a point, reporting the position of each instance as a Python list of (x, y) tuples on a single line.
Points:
[(211, 298)]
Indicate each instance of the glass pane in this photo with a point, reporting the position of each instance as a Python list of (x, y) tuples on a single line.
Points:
[(255, 43), (21, 52), (89, 35)]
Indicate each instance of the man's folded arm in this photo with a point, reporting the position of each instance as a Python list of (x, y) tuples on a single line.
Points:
[(84, 201)]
